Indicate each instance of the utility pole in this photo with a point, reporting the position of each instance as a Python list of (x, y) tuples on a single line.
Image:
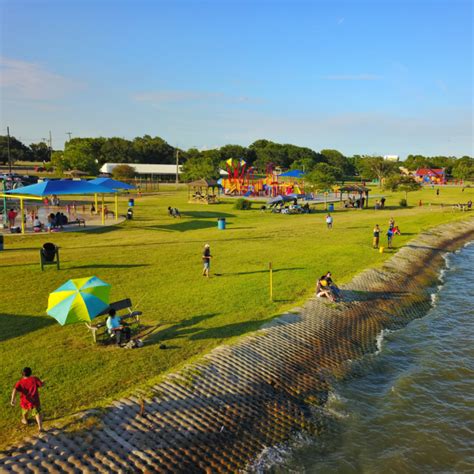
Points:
[(177, 167), (50, 146), (69, 133), (8, 151)]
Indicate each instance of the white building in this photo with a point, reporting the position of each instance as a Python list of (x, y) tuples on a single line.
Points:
[(393, 158), (145, 169)]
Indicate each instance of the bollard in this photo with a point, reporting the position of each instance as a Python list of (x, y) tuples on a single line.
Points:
[(381, 249)]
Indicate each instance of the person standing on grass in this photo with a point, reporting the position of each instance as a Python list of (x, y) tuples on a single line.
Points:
[(390, 237), (28, 387), (376, 236), (206, 260), (329, 221)]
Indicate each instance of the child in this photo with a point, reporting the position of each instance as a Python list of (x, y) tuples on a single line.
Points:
[(206, 260), (28, 386)]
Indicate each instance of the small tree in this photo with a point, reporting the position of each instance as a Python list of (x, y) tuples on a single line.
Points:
[(123, 172), (322, 177), (402, 183)]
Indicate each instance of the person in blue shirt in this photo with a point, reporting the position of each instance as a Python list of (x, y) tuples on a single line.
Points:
[(116, 328)]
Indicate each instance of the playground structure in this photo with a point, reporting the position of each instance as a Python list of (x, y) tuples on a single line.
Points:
[(430, 175), (241, 180)]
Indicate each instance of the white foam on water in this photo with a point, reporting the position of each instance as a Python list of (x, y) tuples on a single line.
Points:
[(277, 455), (379, 340), (335, 406)]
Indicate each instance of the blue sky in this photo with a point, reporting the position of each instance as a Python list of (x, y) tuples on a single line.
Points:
[(374, 77)]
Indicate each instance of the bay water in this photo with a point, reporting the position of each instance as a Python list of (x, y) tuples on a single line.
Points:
[(409, 408)]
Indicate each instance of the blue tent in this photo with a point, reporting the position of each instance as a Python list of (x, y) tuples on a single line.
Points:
[(61, 187), (111, 183), (280, 198), (292, 174)]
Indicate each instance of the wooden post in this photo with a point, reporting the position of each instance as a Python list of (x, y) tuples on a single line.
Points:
[(116, 207), (21, 216), (270, 267), (103, 211), (96, 204)]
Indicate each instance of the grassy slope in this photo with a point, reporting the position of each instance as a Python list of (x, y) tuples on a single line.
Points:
[(156, 261)]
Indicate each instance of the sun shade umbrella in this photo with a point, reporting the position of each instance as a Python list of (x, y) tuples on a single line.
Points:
[(79, 300)]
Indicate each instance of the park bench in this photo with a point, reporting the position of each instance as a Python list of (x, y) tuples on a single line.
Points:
[(99, 328), (79, 221)]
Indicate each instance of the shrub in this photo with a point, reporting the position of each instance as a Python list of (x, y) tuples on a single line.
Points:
[(242, 204), (403, 203)]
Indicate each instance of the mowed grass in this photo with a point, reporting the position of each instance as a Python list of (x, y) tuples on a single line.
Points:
[(156, 261)]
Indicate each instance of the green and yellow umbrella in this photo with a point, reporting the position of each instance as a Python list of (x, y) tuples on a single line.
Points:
[(79, 300)]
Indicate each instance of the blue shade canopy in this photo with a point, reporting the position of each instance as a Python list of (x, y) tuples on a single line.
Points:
[(280, 198), (111, 183), (292, 174), (60, 187)]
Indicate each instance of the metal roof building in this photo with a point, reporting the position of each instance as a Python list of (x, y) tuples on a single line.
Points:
[(145, 169)]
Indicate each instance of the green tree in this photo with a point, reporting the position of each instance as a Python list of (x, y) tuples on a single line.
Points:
[(18, 151), (149, 149), (123, 172), (40, 152), (402, 183), (463, 168), (198, 166), (323, 177), (337, 159), (83, 154), (118, 150), (375, 167)]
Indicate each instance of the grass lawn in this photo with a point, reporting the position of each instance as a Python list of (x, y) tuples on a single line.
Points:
[(156, 261)]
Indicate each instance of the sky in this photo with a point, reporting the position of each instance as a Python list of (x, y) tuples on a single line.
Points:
[(363, 77)]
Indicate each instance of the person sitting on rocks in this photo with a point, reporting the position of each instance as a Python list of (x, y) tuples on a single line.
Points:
[(323, 290)]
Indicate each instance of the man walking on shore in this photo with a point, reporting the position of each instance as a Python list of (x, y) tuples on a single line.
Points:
[(28, 387)]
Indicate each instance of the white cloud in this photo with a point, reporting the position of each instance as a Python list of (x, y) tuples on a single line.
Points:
[(157, 98), (32, 81), (353, 77)]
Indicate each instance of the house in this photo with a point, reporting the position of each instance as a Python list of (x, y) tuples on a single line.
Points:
[(159, 172), (430, 175)]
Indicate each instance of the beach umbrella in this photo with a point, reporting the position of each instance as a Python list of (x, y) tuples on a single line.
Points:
[(79, 300)]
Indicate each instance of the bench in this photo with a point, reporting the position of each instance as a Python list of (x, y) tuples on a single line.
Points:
[(99, 329)]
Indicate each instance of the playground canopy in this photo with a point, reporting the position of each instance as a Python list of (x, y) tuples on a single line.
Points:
[(111, 183), (61, 187), (280, 198), (292, 174), (356, 188), (198, 191)]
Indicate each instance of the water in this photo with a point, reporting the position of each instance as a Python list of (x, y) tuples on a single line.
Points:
[(411, 407)]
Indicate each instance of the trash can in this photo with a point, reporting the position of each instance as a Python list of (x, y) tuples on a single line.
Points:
[(1, 242), (130, 214), (131, 202), (221, 223), (331, 207)]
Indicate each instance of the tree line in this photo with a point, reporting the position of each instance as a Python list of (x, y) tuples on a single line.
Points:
[(89, 154)]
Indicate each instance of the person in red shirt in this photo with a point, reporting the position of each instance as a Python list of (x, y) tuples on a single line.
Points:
[(11, 217), (28, 387)]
